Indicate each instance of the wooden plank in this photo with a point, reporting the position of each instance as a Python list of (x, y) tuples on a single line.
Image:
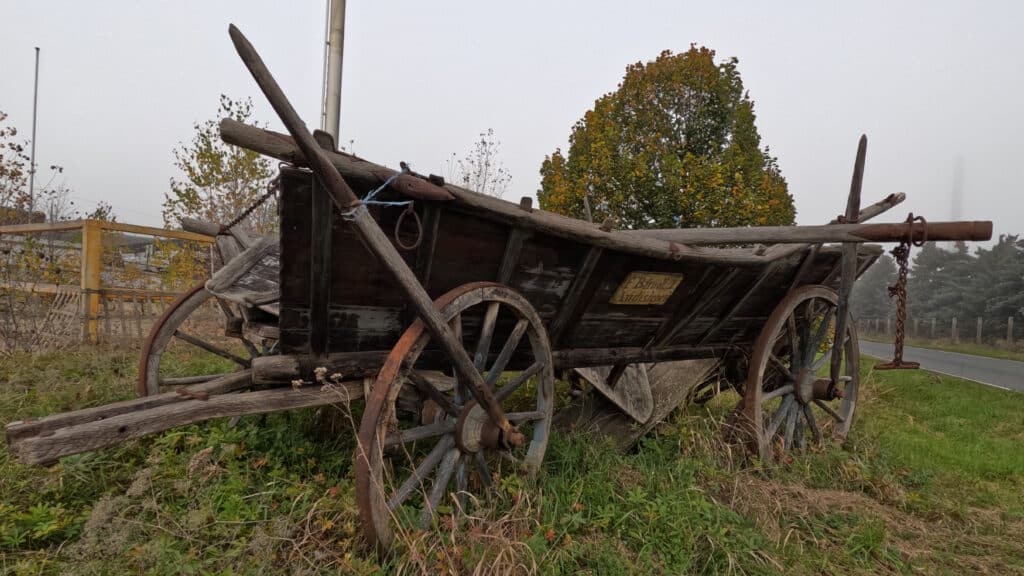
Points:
[(118, 429), (92, 248), (149, 231), (513, 248), (738, 305), (41, 227), (671, 383), (425, 251), (320, 270), (48, 424), (701, 305), (576, 297)]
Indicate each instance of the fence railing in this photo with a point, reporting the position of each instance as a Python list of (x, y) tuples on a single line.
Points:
[(978, 329), (91, 280)]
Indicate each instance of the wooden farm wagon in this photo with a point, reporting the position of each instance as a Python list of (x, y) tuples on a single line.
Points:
[(450, 313)]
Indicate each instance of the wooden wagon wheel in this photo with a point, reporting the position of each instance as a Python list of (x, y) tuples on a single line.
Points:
[(407, 466), (169, 328), (787, 398)]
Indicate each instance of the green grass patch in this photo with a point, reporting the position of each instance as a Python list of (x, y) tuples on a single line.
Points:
[(928, 482)]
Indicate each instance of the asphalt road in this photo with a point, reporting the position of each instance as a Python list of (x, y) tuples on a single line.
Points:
[(1005, 374)]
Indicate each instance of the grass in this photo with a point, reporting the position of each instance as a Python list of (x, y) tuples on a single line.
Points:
[(931, 481), (987, 350)]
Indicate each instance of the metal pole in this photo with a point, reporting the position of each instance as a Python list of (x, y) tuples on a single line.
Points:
[(32, 160), (335, 51)]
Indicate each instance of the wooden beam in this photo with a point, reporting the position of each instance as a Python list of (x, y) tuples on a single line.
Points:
[(425, 252), (582, 357), (92, 248), (765, 274), (41, 227), (49, 424), (117, 429), (513, 248), (698, 309), (151, 231), (320, 269), (576, 297)]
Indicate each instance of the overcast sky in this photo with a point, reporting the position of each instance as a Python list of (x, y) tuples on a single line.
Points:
[(122, 83)]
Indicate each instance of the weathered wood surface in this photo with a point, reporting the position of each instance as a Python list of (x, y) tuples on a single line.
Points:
[(369, 231), (364, 176), (671, 384), (887, 232), (631, 393), (48, 424), (96, 434), (251, 278)]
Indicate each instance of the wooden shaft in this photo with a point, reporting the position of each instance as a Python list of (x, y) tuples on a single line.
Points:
[(368, 229), (114, 430), (849, 264), (888, 232)]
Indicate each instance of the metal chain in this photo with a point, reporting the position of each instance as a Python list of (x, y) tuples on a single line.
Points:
[(901, 253), (272, 189)]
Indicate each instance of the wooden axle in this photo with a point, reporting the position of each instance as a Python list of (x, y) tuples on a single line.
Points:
[(276, 370)]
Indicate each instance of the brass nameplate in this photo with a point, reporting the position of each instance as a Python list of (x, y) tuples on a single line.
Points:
[(644, 288)]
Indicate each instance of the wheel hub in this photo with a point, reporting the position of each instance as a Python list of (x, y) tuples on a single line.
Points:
[(475, 430)]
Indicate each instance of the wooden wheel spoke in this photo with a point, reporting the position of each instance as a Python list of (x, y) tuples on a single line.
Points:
[(780, 366), (428, 389), (526, 416), (790, 426), (440, 486), (483, 346), (780, 391), (462, 481), (828, 409), (819, 334), (506, 352), (421, 472), (507, 390), (778, 417), (798, 432), (460, 387), (821, 361), (794, 347), (211, 348), (482, 470), (812, 424), (420, 433)]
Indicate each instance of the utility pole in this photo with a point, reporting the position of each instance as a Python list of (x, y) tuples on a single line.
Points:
[(32, 160), (332, 74)]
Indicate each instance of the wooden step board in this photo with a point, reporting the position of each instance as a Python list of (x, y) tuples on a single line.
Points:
[(670, 386), (46, 440)]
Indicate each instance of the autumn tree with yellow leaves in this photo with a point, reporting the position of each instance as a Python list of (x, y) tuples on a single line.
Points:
[(674, 146)]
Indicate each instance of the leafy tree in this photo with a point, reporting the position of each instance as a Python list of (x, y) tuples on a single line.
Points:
[(482, 169), (103, 211), (675, 145), (14, 197), (220, 181)]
